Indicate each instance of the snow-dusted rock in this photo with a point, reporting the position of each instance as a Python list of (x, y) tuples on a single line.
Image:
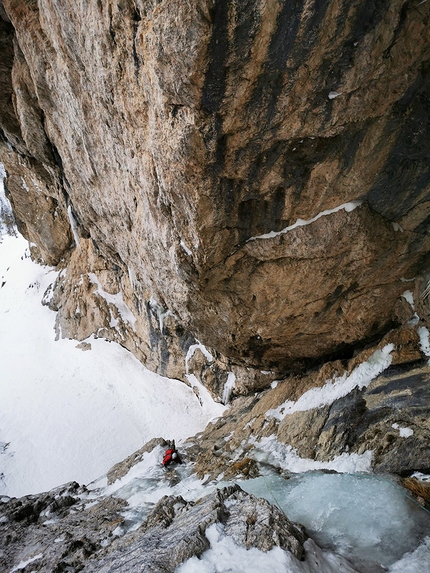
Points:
[(375, 407), (175, 531), (64, 530)]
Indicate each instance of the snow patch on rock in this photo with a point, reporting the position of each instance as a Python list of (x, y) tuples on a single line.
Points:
[(348, 207), (339, 387)]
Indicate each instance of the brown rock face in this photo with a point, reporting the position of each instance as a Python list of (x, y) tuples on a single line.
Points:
[(211, 151), (386, 419)]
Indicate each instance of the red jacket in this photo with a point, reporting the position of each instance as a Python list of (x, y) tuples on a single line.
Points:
[(171, 456)]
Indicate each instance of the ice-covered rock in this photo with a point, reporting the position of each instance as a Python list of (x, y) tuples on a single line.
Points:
[(370, 520)]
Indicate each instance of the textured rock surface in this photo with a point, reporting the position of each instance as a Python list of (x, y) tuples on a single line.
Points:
[(56, 531), (175, 531), (389, 417), (174, 138)]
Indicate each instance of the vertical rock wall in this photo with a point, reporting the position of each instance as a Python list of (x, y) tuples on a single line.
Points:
[(260, 169)]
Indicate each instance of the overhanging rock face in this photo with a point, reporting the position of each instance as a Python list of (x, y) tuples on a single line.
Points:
[(259, 168)]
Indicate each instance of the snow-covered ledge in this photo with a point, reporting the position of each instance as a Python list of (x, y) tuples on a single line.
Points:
[(348, 207)]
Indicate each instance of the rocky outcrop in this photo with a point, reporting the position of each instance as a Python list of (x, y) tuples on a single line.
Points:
[(385, 415), (175, 531), (52, 531), (64, 530), (258, 169)]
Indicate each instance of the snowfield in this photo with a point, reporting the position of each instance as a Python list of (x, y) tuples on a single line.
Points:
[(68, 414)]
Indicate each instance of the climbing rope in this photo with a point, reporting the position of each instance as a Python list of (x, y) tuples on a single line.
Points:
[(278, 505)]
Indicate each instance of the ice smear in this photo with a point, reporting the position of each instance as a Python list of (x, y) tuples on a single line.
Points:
[(161, 313), (146, 483), (116, 300), (365, 518), (225, 555), (74, 227), (269, 450), (301, 222), (409, 297), (360, 377), (186, 249), (191, 351), (426, 291), (132, 277), (7, 221), (228, 388)]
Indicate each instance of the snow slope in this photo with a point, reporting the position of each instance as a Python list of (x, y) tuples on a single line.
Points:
[(68, 414)]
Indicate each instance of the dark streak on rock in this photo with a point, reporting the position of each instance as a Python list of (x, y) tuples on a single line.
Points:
[(406, 173), (271, 82), (218, 51), (136, 19)]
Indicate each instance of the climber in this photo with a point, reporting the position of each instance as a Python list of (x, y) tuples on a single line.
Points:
[(171, 456)]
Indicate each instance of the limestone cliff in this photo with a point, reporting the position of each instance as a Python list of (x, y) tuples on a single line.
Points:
[(252, 174)]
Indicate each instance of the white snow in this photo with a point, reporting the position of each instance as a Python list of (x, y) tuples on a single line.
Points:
[(269, 450), (420, 476), (333, 95), (403, 432), (397, 227), (24, 564), (116, 300), (406, 432), (70, 415), (334, 389), (224, 555), (424, 341), (348, 207)]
